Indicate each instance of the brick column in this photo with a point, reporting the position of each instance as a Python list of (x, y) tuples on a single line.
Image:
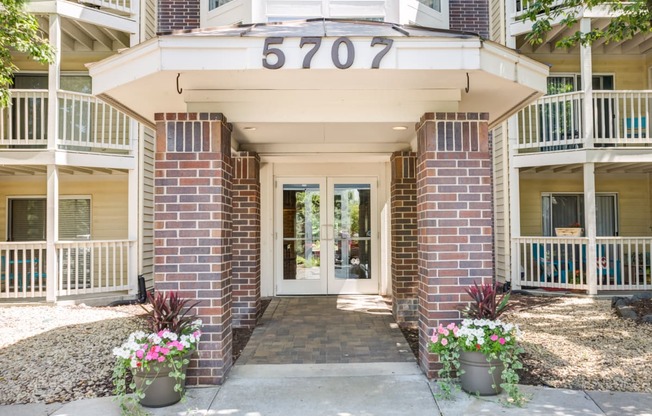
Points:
[(405, 276), (192, 228), (246, 240), (454, 217)]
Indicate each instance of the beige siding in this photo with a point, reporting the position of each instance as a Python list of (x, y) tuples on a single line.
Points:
[(630, 71), (149, 19), (147, 207), (497, 23), (501, 204), (633, 199), (108, 195)]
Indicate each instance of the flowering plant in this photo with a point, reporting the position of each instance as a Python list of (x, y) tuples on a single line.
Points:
[(163, 350), (493, 338)]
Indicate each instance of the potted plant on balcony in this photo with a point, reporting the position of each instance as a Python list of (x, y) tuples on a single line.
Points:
[(483, 351), (157, 360)]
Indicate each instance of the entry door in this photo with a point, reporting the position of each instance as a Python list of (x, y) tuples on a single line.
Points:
[(326, 236)]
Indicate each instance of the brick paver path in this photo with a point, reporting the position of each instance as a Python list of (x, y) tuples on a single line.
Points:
[(327, 329)]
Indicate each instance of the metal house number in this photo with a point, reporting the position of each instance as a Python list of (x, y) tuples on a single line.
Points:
[(314, 43)]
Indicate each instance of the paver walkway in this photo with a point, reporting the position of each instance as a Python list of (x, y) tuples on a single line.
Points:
[(327, 329)]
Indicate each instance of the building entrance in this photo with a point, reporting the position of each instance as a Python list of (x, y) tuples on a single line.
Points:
[(326, 235)]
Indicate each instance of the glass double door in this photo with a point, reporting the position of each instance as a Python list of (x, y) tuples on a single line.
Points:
[(326, 236)]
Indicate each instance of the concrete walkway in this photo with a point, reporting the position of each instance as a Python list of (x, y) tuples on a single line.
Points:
[(351, 390), (343, 356)]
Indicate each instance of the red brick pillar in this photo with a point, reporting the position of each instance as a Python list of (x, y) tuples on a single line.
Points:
[(246, 240), (192, 228), (454, 217), (405, 276)]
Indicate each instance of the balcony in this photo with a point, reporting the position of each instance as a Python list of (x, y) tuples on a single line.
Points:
[(430, 13), (86, 124), (621, 263), (82, 267), (556, 122)]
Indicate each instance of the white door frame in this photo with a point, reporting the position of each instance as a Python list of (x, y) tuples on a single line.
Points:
[(327, 283)]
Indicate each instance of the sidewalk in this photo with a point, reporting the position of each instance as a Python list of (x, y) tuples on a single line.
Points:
[(382, 389)]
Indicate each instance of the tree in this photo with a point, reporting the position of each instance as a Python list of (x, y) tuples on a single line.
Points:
[(19, 32), (629, 18)]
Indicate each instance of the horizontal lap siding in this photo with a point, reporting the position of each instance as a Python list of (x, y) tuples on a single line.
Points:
[(633, 199)]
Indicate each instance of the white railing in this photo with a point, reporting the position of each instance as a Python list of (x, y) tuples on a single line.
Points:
[(556, 122), (83, 267), (22, 270), (115, 5), (551, 262), (24, 123), (622, 263), (522, 6), (92, 266), (553, 122), (88, 123), (620, 117)]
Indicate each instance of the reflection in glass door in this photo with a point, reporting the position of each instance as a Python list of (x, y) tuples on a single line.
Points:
[(325, 241)]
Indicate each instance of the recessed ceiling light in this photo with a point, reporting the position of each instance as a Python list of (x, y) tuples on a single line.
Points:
[(399, 128), (249, 128)]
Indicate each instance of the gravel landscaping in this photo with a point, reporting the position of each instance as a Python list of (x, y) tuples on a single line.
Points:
[(63, 353)]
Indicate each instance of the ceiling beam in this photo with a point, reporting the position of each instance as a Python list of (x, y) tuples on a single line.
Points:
[(96, 33), (634, 43), (121, 38), (77, 34)]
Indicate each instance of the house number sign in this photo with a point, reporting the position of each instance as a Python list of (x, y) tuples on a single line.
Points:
[(274, 57)]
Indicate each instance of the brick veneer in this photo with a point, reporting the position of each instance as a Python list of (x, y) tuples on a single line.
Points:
[(192, 228), (454, 217), (177, 15), (470, 16), (246, 240), (405, 277)]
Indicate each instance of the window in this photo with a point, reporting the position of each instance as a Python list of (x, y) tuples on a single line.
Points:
[(567, 210), (27, 219)]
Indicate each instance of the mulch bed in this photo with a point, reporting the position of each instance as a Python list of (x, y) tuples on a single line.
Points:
[(531, 374)]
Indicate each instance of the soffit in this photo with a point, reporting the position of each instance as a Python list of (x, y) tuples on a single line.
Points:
[(221, 70)]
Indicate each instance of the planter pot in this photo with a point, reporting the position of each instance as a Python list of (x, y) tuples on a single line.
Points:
[(476, 378), (160, 392)]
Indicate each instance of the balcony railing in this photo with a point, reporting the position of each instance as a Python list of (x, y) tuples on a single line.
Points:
[(622, 263), (522, 6), (111, 5), (556, 122), (22, 270), (83, 267), (86, 123)]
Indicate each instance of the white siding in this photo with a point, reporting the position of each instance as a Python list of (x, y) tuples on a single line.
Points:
[(149, 19)]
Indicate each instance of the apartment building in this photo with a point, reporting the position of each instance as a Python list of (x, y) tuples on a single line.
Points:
[(256, 148)]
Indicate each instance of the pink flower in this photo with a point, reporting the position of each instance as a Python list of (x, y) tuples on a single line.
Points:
[(161, 358), (196, 334), (434, 338), (441, 329), (494, 337), (455, 331), (451, 326), (139, 354), (502, 341), (444, 342), (164, 351)]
